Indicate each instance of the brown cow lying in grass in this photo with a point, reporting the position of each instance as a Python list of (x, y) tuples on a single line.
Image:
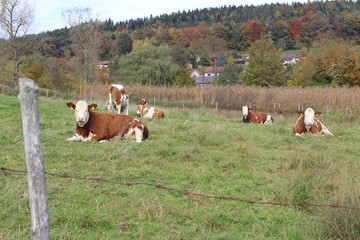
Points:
[(147, 111), (308, 123), (96, 126), (254, 117)]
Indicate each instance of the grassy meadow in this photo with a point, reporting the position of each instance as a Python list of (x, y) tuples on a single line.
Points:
[(197, 149)]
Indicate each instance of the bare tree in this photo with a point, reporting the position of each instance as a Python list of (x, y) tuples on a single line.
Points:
[(85, 35), (15, 19)]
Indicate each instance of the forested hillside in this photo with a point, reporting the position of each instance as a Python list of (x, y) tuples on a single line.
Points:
[(159, 49)]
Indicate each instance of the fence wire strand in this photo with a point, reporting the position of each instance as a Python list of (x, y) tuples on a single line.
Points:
[(187, 193)]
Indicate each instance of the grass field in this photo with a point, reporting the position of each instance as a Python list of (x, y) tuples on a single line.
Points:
[(194, 149)]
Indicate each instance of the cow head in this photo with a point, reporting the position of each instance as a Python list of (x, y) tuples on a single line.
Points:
[(142, 102), (81, 111), (245, 111), (140, 106), (309, 116)]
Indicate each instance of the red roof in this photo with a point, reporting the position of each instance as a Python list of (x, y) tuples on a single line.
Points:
[(213, 69)]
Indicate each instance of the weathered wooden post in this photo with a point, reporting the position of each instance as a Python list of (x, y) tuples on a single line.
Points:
[(28, 97)]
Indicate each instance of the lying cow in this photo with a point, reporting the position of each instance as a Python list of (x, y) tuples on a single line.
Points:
[(254, 117), (147, 111), (96, 126), (119, 98), (307, 122)]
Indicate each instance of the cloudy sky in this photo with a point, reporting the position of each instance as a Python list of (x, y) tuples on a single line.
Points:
[(47, 14)]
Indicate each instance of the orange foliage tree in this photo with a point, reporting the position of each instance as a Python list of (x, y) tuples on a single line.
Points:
[(34, 71), (256, 30)]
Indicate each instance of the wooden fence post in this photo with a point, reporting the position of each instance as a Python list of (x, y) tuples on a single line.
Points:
[(28, 96)]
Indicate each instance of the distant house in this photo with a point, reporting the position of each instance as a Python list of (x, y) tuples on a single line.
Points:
[(103, 64), (194, 73), (289, 59), (212, 71), (205, 80), (205, 75)]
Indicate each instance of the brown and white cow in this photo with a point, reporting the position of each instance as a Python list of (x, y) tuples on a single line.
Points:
[(308, 123), (147, 111), (96, 126), (119, 98), (254, 117)]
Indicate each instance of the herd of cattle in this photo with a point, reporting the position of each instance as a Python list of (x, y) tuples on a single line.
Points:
[(97, 126)]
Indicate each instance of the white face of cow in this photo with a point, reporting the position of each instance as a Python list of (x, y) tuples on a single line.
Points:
[(138, 110), (81, 113), (309, 116), (245, 111)]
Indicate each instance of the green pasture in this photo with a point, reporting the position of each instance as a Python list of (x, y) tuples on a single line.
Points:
[(196, 149)]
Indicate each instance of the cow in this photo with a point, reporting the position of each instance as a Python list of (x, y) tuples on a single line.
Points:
[(254, 117), (147, 111), (119, 98), (308, 123), (100, 127)]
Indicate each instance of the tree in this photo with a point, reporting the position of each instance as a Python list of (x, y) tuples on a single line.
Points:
[(183, 78), (85, 34), (279, 34), (148, 65), (180, 55), (229, 75), (256, 30), (265, 67), (294, 27), (125, 43), (221, 60), (334, 62), (15, 19), (351, 26)]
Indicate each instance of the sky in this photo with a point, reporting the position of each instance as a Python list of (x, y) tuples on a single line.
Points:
[(47, 13)]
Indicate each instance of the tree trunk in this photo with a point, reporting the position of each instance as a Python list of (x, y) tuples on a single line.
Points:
[(28, 97)]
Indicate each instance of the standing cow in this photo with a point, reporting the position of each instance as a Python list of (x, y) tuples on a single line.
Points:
[(96, 126), (147, 111), (119, 98), (308, 123), (254, 117)]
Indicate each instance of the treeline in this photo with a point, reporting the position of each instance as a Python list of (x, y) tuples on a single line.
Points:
[(160, 50)]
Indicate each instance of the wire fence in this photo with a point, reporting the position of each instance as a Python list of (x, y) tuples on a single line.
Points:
[(187, 193)]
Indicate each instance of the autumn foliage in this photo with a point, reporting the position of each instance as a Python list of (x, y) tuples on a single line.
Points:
[(256, 30)]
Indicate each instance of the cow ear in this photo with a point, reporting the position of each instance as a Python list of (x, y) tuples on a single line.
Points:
[(250, 109), (301, 113), (92, 106), (70, 105), (317, 114)]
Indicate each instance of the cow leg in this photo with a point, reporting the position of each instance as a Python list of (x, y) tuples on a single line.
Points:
[(326, 131), (97, 138), (73, 138), (127, 108), (118, 108), (138, 135)]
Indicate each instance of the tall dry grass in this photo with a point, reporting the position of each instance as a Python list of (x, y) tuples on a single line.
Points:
[(278, 99)]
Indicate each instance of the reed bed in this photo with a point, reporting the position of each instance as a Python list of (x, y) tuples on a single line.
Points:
[(280, 100)]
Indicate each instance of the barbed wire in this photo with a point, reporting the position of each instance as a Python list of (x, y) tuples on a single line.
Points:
[(187, 193)]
